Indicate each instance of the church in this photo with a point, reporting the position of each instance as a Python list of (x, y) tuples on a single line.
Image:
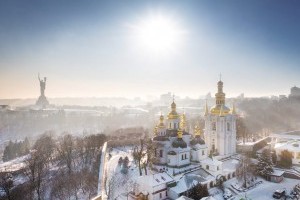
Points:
[(177, 148), (182, 159)]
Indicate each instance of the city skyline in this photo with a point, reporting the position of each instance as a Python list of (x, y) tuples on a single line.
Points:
[(100, 49)]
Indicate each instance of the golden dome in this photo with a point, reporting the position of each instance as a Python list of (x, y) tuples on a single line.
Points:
[(173, 114), (179, 134), (220, 109), (161, 122), (233, 111)]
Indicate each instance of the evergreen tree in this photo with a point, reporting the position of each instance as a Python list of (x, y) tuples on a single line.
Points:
[(197, 192), (265, 164)]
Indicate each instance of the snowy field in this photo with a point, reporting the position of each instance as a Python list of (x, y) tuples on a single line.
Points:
[(263, 191), (13, 165)]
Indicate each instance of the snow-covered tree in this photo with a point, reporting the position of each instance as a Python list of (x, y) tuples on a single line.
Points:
[(265, 164)]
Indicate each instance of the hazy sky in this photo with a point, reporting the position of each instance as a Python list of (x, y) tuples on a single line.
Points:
[(93, 48)]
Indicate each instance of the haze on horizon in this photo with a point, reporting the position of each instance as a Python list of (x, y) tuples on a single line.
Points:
[(101, 48)]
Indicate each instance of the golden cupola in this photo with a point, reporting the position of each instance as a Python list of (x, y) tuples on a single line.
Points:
[(173, 114), (183, 121), (155, 131), (161, 122), (206, 109), (197, 131), (180, 130), (233, 111), (220, 108)]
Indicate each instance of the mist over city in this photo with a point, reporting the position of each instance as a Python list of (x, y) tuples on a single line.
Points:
[(149, 100)]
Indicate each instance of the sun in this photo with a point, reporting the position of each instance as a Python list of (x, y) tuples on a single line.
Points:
[(159, 34)]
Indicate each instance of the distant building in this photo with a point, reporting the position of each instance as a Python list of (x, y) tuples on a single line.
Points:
[(295, 93), (4, 107), (166, 98)]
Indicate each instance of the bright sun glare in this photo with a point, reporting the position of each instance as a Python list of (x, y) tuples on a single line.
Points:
[(159, 34)]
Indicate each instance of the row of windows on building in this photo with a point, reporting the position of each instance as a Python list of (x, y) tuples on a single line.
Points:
[(214, 126)]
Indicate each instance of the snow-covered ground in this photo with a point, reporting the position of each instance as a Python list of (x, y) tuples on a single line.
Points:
[(262, 191), (13, 165), (122, 183)]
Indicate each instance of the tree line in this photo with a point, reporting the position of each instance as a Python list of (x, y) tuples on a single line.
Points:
[(63, 167), (16, 149)]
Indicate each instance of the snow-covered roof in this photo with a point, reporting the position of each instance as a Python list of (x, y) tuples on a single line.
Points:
[(230, 165), (186, 182), (290, 145), (211, 161), (277, 172), (184, 198), (155, 179), (208, 198)]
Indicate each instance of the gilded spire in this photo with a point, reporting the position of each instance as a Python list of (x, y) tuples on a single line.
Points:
[(197, 131), (233, 111), (180, 130), (183, 121), (161, 121), (206, 109), (173, 114), (155, 131)]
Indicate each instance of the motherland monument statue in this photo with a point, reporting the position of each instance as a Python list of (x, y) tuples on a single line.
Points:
[(42, 100)]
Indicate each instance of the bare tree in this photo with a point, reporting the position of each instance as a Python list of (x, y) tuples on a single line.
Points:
[(6, 184), (245, 170), (139, 154), (65, 150), (37, 165)]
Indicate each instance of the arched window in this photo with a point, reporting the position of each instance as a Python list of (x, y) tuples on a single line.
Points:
[(213, 126)]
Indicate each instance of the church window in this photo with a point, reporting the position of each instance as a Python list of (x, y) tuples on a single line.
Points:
[(213, 126), (203, 153), (182, 157), (166, 193), (218, 168), (161, 153), (228, 126), (160, 195), (207, 167)]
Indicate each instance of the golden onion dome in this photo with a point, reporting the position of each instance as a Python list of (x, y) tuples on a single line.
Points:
[(173, 114), (161, 122), (220, 110)]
